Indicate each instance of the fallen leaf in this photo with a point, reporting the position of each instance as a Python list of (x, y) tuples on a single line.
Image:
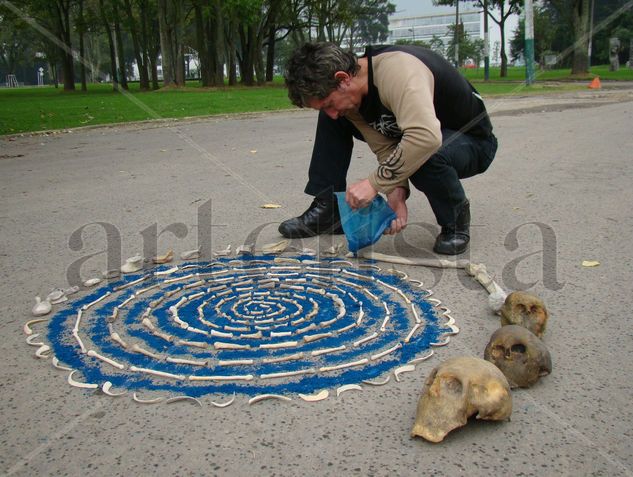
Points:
[(590, 263), (270, 206)]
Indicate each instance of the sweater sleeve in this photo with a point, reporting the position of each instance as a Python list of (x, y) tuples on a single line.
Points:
[(406, 86)]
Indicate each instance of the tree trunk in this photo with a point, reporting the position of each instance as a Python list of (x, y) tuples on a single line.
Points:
[(119, 44), (203, 53), (580, 17), (61, 12), (502, 30), (270, 53), (81, 27), (106, 27), (171, 25), (140, 63)]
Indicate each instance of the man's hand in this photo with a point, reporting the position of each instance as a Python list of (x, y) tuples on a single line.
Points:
[(360, 194), (397, 201)]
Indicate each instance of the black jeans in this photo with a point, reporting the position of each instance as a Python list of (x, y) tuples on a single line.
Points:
[(459, 157)]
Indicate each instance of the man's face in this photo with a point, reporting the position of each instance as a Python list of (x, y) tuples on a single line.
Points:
[(338, 103)]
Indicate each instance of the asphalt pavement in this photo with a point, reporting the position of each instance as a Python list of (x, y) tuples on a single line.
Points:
[(558, 193)]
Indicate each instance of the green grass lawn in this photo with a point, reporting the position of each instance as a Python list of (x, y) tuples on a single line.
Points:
[(37, 109), (517, 73)]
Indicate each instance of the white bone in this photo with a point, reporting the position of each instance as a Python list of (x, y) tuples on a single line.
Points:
[(386, 352), (285, 344), (41, 307), (77, 384), (29, 340), (361, 341), (422, 358), (154, 372), (189, 254), (221, 345), (311, 338), (56, 365), (361, 314), (224, 404), (407, 368), (384, 323), (315, 397), (178, 279), (378, 383), (348, 387), (197, 330), (252, 335), (165, 258), (106, 390), (27, 326), (129, 284), (442, 343), (183, 398), (101, 298), (169, 271), (147, 401), (195, 344), (94, 354), (78, 320), (247, 377), (81, 343), (282, 359), (319, 352), (191, 362), (412, 332), (92, 282), (220, 334), (195, 295), (137, 349), (275, 334), (42, 352), (415, 313), (132, 264), (146, 322), (189, 286), (346, 328), (124, 302), (263, 397), (286, 374), (117, 338), (367, 292), (360, 362), (235, 362)]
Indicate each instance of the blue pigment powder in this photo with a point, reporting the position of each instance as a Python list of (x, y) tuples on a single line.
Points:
[(253, 303)]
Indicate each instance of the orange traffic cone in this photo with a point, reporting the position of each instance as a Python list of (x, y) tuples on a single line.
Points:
[(595, 84)]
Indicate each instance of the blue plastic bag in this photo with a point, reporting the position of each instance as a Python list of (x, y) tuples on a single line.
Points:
[(363, 227)]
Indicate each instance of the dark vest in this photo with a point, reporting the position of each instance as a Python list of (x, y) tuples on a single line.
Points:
[(458, 106)]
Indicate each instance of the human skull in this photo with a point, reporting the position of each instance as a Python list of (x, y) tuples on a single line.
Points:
[(457, 389), (526, 310), (519, 354)]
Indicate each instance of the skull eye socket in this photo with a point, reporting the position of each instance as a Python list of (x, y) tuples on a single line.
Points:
[(534, 309), (451, 385), (521, 308), (497, 352), (518, 348)]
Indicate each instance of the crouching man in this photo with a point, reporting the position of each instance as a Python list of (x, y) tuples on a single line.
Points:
[(426, 124)]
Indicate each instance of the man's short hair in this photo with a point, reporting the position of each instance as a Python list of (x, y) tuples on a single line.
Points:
[(310, 71)]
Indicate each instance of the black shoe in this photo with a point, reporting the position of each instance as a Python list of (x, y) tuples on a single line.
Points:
[(322, 217), (454, 238)]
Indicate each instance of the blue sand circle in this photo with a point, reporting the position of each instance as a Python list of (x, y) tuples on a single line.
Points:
[(302, 318)]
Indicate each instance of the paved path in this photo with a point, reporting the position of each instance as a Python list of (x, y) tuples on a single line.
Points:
[(558, 193)]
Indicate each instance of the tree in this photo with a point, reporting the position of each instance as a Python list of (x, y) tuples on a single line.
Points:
[(575, 13), (505, 9), (171, 20), (468, 47)]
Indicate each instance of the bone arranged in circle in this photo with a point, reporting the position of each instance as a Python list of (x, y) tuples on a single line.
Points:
[(252, 328)]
